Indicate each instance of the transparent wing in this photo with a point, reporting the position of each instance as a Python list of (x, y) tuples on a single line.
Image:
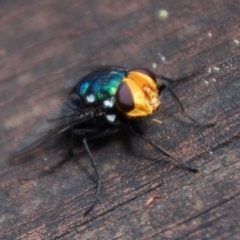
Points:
[(71, 113)]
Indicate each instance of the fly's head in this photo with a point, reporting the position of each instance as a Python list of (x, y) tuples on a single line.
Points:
[(138, 96)]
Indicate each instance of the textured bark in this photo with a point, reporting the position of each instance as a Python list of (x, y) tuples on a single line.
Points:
[(44, 47)]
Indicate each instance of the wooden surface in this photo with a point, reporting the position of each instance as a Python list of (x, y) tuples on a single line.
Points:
[(44, 47)]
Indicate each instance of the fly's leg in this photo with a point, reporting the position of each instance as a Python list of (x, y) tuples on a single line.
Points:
[(138, 132), (178, 103), (175, 97), (99, 178), (166, 153), (181, 108), (64, 160), (70, 147), (98, 134)]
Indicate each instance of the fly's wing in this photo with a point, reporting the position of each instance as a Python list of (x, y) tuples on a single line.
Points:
[(71, 113)]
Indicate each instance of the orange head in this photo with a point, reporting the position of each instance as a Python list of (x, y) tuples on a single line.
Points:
[(138, 96)]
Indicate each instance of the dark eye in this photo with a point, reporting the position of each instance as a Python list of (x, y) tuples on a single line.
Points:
[(146, 72), (124, 98)]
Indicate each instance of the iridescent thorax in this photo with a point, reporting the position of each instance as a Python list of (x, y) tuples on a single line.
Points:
[(100, 86)]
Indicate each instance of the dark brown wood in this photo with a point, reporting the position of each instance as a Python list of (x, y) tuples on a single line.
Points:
[(44, 47)]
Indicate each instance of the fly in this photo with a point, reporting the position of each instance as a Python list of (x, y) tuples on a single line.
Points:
[(106, 101)]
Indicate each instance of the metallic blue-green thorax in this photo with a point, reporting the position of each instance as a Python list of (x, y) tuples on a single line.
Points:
[(100, 86)]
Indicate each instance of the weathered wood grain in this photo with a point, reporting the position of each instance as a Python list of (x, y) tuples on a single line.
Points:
[(44, 47)]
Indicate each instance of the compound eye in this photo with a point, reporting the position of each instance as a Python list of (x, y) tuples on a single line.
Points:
[(124, 98), (146, 72)]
